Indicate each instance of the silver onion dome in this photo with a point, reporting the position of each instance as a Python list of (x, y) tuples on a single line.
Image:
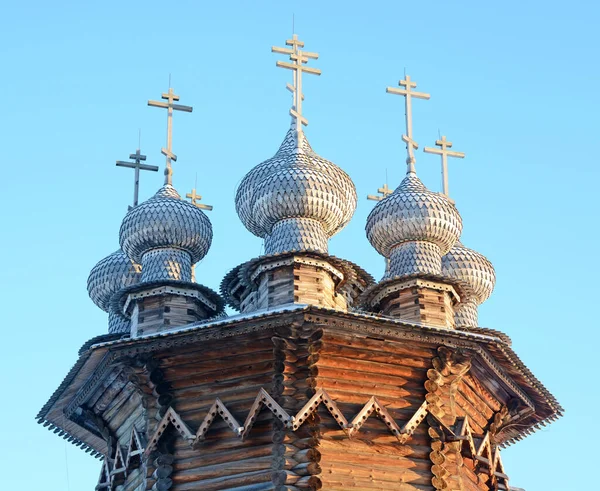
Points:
[(296, 199), (110, 275), (413, 213), (413, 227), (471, 268), (166, 221)]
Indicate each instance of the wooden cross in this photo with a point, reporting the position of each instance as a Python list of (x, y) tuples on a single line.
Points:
[(193, 197), (299, 59), (137, 158), (444, 145), (384, 191), (408, 94), (170, 107)]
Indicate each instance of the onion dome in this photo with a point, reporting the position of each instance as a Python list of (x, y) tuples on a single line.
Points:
[(166, 235), (296, 200), (413, 227), (477, 276), (109, 276)]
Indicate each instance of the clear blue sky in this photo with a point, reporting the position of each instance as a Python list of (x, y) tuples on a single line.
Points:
[(514, 85)]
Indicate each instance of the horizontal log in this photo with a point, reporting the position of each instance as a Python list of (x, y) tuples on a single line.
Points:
[(225, 482), (215, 471)]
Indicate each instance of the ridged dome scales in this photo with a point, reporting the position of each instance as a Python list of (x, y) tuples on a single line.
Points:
[(295, 183), (110, 275), (165, 220), (413, 213), (471, 268)]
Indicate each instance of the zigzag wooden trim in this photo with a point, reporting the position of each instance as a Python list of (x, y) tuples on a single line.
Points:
[(171, 418), (264, 400), (493, 461), (114, 470), (479, 447)]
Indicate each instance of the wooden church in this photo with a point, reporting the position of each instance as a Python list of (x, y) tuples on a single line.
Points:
[(325, 378)]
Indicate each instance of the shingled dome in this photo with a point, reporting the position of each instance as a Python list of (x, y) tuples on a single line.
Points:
[(166, 221), (110, 275), (426, 223), (296, 200), (471, 268)]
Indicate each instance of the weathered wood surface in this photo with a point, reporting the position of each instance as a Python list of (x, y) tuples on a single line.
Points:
[(420, 304), (291, 363)]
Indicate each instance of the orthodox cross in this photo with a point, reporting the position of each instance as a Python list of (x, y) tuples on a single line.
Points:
[(384, 191), (170, 107), (193, 197), (408, 94), (137, 158), (299, 59), (444, 145)]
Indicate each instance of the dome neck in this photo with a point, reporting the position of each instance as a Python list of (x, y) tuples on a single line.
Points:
[(414, 258), (466, 314), (410, 167), (297, 234), (166, 263)]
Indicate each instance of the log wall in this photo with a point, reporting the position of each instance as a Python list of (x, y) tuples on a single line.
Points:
[(420, 304), (160, 312), (233, 371), (292, 362), (295, 283), (352, 370)]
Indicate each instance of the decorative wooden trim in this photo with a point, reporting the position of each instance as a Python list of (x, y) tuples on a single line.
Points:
[(114, 470), (263, 399), (268, 266), (104, 479), (171, 418), (118, 474), (135, 450), (290, 422), (434, 285), (483, 452), (219, 409)]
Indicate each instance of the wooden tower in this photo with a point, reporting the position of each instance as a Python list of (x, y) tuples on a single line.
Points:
[(326, 379)]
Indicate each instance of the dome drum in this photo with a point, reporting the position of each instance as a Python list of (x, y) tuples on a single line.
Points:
[(296, 234), (166, 263), (414, 258)]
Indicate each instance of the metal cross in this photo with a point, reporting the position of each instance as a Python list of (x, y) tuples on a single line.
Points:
[(299, 59), (137, 158), (193, 197), (445, 153), (170, 107), (384, 191), (408, 94)]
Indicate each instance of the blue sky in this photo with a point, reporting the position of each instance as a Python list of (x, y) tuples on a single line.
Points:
[(513, 84)]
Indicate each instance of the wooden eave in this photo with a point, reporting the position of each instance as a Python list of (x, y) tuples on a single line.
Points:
[(491, 351)]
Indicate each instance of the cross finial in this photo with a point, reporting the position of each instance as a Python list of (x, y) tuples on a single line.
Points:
[(384, 191), (170, 97), (137, 158), (444, 145), (298, 60), (194, 198), (408, 93)]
